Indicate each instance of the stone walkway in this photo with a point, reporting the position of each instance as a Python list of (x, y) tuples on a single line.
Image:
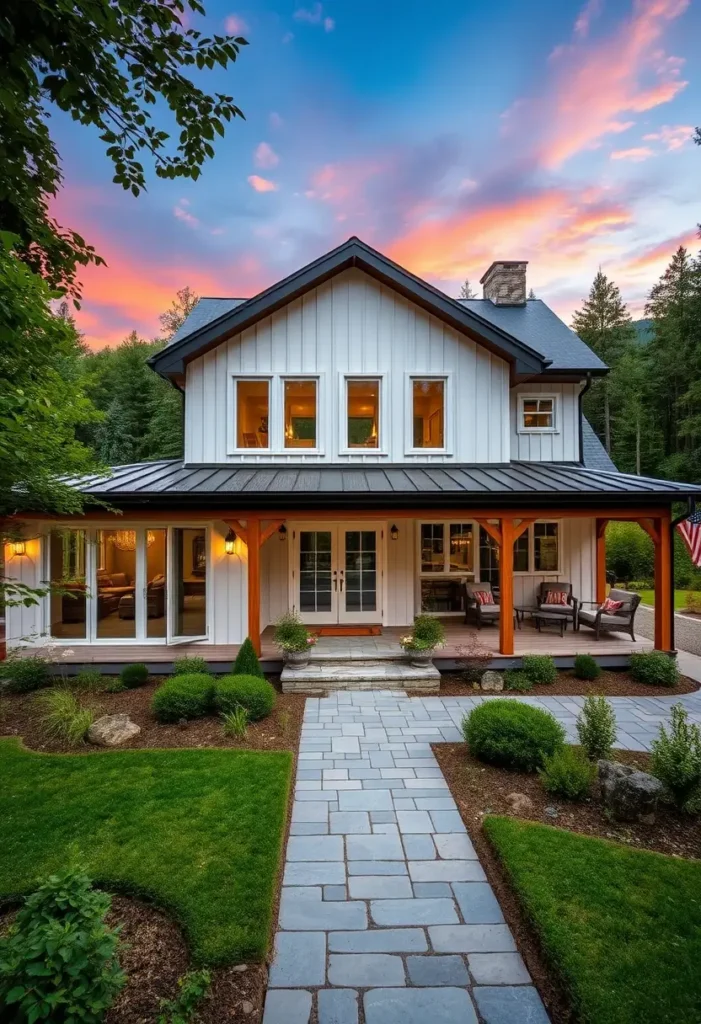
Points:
[(386, 915)]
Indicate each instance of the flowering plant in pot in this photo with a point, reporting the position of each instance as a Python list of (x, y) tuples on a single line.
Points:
[(426, 635), (293, 638)]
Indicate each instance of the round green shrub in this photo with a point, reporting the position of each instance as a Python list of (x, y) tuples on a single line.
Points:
[(512, 735), (654, 668), (190, 667), (247, 663), (256, 695), (567, 773), (183, 697), (25, 674), (585, 667), (540, 668), (132, 676)]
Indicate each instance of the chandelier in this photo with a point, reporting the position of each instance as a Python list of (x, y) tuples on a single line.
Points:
[(125, 540)]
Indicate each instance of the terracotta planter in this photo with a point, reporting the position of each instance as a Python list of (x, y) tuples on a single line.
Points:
[(297, 659), (421, 659)]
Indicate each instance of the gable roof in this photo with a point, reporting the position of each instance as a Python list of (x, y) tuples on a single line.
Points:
[(171, 361), (594, 454), (203, 312)]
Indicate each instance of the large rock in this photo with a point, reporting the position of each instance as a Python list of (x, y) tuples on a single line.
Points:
[(111, 730), (492, 680), (629, 794), (519, 803)]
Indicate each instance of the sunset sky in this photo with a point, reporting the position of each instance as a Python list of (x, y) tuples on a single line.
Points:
[(446, 134)]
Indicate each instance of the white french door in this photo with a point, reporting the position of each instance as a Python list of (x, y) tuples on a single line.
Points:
[(187, 584), (337, 572)]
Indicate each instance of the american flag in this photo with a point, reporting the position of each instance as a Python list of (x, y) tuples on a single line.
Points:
[(690, 531)]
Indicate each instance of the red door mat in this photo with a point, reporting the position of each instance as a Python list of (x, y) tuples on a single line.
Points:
[(349, 631)]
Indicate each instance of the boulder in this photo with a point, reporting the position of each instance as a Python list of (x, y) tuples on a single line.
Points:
[(492, 680), (519, 803), (111, 730), (629, 794)]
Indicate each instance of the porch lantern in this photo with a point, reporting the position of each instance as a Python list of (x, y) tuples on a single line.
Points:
[(18, 548), (229, 542), (282, 532), (394, 531)]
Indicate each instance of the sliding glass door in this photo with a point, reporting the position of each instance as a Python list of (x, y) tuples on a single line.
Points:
[(188, 584)]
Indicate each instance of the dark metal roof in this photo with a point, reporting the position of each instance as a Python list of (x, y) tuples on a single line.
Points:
[(595, 455), (257, 485), (204, 311), (537, 325), (171, 360)]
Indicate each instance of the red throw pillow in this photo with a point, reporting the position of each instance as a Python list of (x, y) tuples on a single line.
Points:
[(611, 607), (556, 597), (484, 596)]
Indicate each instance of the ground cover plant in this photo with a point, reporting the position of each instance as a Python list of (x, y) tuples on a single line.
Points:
[(622, 927), (512, 735), (199, 830), (190, 666)]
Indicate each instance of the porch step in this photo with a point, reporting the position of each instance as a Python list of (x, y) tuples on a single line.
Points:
[(323, 675)]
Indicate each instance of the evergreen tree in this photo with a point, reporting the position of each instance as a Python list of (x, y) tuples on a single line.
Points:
[(531, 294), (247, 663), (604, 323), (467, 291)]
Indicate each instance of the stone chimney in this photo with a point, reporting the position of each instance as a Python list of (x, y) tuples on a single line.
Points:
[(505, 283)]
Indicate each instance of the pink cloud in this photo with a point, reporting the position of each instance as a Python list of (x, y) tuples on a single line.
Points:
[(585, 18), (635, 153), (660, 254), (671, 136), (329, 24), (235, 25), (595, 85), (182, 213), (259, 184), (265, 156)]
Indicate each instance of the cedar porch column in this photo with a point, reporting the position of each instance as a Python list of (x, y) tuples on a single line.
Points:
[(506, 588), (601, 560), (253, 542), (663, 584)]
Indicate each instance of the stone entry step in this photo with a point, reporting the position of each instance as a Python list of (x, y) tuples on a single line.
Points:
[(320, 676)]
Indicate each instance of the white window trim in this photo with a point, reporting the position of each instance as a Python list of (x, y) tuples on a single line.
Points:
[(536, 395), (532, 571), (231, 407), (320, 415), (343, 415), (448, 433), (451, 574)]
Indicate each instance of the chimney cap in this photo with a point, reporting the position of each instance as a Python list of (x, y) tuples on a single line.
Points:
[(506, 264)]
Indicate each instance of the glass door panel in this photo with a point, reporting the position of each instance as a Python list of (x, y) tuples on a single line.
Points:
[(360, 584), (156, 585), (67, 572), (318, 583), (188, 584), (115, 613)]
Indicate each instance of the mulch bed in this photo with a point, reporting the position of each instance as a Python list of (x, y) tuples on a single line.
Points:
[(154, 955), (611, 684), (480, 789), (279, 731)]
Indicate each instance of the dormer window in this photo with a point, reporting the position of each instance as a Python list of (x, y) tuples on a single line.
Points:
[(537, 413)]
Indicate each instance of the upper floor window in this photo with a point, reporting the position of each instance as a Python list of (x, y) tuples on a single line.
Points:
[(252, 413), (537, 413), (300, 398), (428, 412), (363, 412)]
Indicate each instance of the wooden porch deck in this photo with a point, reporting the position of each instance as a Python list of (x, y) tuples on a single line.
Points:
[(527, 640)]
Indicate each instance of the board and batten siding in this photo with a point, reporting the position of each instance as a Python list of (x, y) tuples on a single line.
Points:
[(353, 325), (560, 445)]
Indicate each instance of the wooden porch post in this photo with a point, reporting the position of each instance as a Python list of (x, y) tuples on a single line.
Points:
[(601, 560), (663, 585), (506, 585), (253, 541)]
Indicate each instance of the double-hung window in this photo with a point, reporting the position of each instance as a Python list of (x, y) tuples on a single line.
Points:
[(301, 413), (428, 413), (362, 403), (537, 550), (252, 401)]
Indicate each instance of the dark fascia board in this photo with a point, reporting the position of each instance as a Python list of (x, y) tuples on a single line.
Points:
[(170, 362)]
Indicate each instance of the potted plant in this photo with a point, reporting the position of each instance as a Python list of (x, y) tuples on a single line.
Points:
[(426, 635), (293, 638)]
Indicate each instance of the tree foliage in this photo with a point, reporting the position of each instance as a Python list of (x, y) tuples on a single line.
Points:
[(467, 291), (115, 65)]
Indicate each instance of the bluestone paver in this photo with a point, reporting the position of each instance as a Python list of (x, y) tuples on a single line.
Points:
[(366, 970), (417, 1006), (437, 970), (504, 1005), (498, 969), (299, 959), (338, 1006)]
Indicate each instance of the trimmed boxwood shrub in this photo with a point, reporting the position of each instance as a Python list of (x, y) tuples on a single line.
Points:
[(184, 697), (586, 667), (654, 668), (540, 668), (190, 667), (512, 735), (132, 676), (247, 663), (256, 695), (25, 674)]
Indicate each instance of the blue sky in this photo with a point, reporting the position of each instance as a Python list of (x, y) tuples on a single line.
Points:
[(446, 134)]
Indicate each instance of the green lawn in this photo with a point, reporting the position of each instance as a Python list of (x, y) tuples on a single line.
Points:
[(622, 926), (648, 597), (199, 830)]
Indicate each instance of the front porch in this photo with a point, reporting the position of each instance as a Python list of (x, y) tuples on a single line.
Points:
[(611, 650)]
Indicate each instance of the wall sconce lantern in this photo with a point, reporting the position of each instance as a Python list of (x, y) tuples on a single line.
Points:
[(393, 531), (282, 532), (18, 548), (229, 542)]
